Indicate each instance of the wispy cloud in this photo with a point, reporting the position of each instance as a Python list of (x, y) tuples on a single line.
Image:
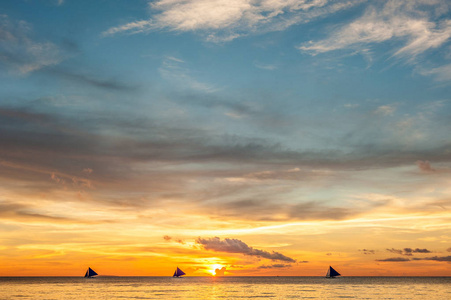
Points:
[(367, 251), (404, 21), (394, 259), (175, 70), (20, 53), (224, 20), (269, 67), (442, 73), (386, 110), (237, 246)]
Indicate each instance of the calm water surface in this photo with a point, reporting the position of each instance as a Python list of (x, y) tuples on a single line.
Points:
[(430, 288)]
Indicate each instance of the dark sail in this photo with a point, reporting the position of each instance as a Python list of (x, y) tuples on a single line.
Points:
[(332, 273), (90, 273), (178, 273)]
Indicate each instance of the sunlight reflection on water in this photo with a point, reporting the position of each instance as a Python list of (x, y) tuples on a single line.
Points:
[(225, 288)]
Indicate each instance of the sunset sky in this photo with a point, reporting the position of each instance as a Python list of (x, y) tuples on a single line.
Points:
[(250, 137)]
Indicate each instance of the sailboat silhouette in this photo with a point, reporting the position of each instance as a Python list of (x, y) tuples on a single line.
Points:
[(90, 273), (178, 273), (331, 273)]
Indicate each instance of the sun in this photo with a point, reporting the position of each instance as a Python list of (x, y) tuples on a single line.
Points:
[(214, 267)]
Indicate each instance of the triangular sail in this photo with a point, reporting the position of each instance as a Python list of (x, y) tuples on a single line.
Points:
[(90, 273), (178, 272), (332, 272)]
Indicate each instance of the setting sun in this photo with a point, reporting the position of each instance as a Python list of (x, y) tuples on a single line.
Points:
[(217, 269)]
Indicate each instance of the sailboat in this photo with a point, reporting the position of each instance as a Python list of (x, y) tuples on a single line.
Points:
[(90, 273), (178, 273), (331, 273)]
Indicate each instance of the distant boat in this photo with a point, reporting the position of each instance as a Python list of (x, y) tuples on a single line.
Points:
[(90, 273), (178, 273), (331, 273)]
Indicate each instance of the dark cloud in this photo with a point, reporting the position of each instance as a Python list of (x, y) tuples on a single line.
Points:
[(367, 251), (449, 249), (169, 238), (408, 251), (417, 250), (400, 259), (393, 250), (436, 258), (237, 246), (274, 266), (129, 158)]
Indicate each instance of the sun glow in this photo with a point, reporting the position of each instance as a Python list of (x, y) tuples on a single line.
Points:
[(214, 268)]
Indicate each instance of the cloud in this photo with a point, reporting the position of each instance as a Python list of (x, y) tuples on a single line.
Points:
[(20, 53), (87, 170), (237, 246), (442, 73), (95, 81), (449, 249), (408, 251), (366, 251), (394, 259), (120, 148), (393, 250), (269, 67), (220, 272), (28, 213), (425, 166), (225, 20), (385, 110), (174, 70), (263, 208), (436, 258), (402, 20), (416, 250), (274, 266)]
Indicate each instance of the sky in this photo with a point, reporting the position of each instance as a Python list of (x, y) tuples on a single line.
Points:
[(225, 137)]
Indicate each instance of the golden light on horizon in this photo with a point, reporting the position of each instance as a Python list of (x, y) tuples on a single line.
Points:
[(214, 268)]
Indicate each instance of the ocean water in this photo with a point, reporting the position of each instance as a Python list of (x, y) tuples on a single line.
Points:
[(430, 288)]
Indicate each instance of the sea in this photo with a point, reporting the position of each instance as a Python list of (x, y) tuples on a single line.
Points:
[(226, 287)]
